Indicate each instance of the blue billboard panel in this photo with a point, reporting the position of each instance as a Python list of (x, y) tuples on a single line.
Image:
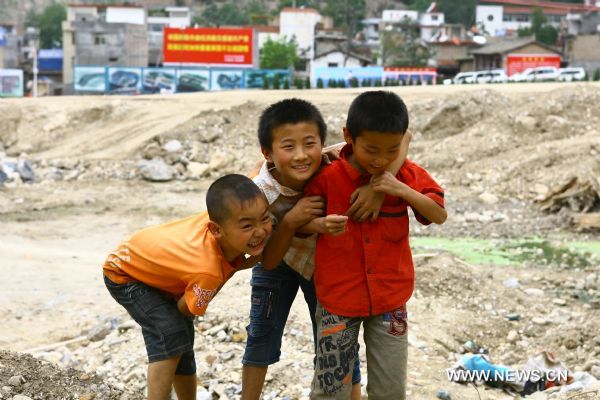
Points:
[(11, 83), (89, 79), (159, 80), (3, 37), (226, 79), (255, 78), (124, 80), (193, 80)]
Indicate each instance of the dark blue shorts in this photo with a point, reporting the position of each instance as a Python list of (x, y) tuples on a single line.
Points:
[(273, 292), (167, 332)]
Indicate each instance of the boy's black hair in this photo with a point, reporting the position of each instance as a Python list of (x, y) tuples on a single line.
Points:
[(379, 111), (288, 111), (229, 187)]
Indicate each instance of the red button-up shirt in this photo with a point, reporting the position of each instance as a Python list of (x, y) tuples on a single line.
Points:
[(368, 270)]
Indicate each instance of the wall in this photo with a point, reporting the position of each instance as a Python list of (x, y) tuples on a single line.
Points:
[(126, 15), (585, 52)]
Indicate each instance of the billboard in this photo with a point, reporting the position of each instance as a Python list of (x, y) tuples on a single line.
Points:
[(158, 80), (124, 79), (209, 46), (226, 79), (89, 79), (346, 73), (11, 83), (516, 63), (193, 80), (255, 78), (405, 74)]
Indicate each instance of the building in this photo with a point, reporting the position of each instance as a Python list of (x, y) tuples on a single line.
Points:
[(498, 54), (506, 17), (300, 24), (584, 51), (104, 35), (451, 46), (158, 19), (335, 58)]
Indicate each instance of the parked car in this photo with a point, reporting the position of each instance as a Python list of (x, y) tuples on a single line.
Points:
[(538, 74), (491, 76), (464, 77), (571, 74)]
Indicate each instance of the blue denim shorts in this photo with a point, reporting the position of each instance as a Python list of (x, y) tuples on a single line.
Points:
[(167, 332), (273, 292)]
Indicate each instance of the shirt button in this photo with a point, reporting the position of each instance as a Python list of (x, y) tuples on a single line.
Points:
[(367, 240), (369, 271)]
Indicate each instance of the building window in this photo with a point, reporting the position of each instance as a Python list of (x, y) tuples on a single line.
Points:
[(434, 17), (332, 65), (99, 39), (490, 18)]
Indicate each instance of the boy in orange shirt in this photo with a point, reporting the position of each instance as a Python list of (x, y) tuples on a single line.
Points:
[(164, 275)]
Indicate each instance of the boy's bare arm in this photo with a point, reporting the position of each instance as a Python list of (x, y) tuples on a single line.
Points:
[(305, 210), (387, 183), (365, 201), (183, 307), (331, 224)]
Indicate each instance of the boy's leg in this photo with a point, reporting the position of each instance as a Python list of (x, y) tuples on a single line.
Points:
[(310, 296), (168, 334), (337, 344), (160, 378), (386, 340), (273, 293)]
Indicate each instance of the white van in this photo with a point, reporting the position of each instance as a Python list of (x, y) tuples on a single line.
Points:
[(492, 76)]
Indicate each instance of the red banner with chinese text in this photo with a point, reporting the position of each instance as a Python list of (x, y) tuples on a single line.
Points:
[(516, 63), (221, 46)]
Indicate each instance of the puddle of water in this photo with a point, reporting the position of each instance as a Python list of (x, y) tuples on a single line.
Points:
[(531, 251)]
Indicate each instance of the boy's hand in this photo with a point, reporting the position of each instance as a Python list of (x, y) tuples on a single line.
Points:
[(388, 184), (305, 210), (365, 203), (334, 224)]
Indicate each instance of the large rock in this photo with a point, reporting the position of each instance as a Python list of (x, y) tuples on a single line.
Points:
[(156, 170)]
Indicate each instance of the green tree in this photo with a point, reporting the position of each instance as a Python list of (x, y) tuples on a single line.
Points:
[(346, 14), (50, 25), (227, 14), (278, 54), (257, 12), (540, 29)]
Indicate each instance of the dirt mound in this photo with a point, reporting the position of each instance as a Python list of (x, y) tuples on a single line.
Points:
[(28, 376)]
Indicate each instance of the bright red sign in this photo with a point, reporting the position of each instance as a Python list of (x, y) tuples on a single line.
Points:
[(516, 63), (214, 46)]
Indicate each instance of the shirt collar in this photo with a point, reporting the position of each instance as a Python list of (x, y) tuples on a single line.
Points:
[(271, 187), (354, 174)]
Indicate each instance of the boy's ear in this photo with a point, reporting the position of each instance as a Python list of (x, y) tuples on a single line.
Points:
[(347, 136), (215, 229), (266, 153)]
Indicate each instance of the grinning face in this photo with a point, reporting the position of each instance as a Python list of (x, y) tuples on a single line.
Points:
[(373, 151), (296, 153), (246, 230)]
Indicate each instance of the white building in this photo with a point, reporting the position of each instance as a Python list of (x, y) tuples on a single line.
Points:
[(173, 17), (338, 58), (506, 17), (300, 24)]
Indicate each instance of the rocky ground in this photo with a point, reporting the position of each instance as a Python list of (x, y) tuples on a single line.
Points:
[(103, 167)]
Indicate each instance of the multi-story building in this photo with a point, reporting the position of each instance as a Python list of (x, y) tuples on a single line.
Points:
[(506, 17), (104, 35)]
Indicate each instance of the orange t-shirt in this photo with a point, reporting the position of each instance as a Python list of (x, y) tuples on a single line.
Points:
[(179, 257)]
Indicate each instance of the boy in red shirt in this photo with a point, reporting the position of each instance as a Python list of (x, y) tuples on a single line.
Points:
[(365, 275), (166, 274)]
